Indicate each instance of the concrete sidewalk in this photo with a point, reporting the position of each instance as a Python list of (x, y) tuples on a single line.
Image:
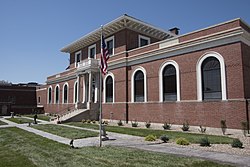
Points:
[(123, 140)]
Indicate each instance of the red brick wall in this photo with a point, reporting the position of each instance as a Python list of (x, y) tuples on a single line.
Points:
[(246, 69)]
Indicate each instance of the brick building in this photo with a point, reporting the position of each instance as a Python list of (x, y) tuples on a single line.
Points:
[(156, 75), (18, 98)]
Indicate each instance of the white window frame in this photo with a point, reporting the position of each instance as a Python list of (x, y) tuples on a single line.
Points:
[(75, 93), (109, 39), (91, 47), (143, 37), (222, 70), (79, 52), (133, 84), (58, 94), (50, 87), (104, 88), (67, 93), (169, 62)]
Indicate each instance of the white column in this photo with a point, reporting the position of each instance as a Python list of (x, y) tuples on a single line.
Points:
[(83, 89), (78, 89), (90, 87), (97, 83)]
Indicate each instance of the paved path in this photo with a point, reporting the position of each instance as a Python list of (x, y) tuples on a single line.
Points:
[(139, 143)]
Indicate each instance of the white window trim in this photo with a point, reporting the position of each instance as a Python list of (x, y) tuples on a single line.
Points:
[(67, 93), (79, 52), (91, 47), (169, 62), (223, 74), (75, 93), (109, 39), (104, 88), (50, 87), (58, 94), (143, 37), (133, 84)]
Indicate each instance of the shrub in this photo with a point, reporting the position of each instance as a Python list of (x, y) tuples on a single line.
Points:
[(150, 138), (223, 126), (105, 122), (237, 143), (83, 121), (119, 123), (202, 129), (185, 126), (164, 138), (182, 141), (244, 126), (166, 126), (88, 121), (147, 124), (204, 142), (93, 121), (134, 124)]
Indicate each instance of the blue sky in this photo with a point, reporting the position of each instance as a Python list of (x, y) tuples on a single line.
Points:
[(32, 32)]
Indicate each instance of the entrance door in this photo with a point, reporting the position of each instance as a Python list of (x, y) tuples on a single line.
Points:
[(4, 110)]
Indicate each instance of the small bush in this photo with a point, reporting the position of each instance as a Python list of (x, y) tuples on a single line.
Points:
[(164, 138), (83, 121), (105, 122), (223, 126), (185, 126), (134, 124), (166, 126), (147, 124), (182, 141), (204, 142), (202, 129), (119, 123), (244, 126), (88, 121), (150, 138), (93, 121), (237, 143)]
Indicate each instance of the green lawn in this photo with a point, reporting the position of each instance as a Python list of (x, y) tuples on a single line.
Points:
[(191, 137), (20, 120), (39, 116), (21, 148), (67, 132), (3, 123)]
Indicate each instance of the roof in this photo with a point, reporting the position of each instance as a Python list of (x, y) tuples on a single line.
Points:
[(114, 26)]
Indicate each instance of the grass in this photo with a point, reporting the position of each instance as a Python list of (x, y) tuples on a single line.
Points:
[(20, 120), (39, 116), (22, 148), (3, 123), (173, 135), (67, 132)]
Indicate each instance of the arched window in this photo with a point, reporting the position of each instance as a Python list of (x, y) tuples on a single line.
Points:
[(65, 93), (211, 79), (57, 94), (169, 83), (109, 89), (139, 86), (75, 93), (49, 95)]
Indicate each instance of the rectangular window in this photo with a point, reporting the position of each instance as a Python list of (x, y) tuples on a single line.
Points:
[(143, 41), (78, 57), (110, 45), (39, 100), (92, 51)]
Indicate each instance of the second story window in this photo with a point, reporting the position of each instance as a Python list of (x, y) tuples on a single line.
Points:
[(143, 41), (110, 45), (92, 51), (78, 57)]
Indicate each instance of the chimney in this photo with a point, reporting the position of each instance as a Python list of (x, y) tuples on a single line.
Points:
[(174, 30)]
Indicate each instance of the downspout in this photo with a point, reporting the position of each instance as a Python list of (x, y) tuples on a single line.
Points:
[(247, 115)]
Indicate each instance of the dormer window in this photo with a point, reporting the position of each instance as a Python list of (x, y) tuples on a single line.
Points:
[(92, 51), (110, 45), (143, 41), (78, 57)]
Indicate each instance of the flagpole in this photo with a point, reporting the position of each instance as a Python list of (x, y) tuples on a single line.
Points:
[(100, 114)]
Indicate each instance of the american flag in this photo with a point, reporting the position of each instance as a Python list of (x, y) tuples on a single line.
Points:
[(104, 56)]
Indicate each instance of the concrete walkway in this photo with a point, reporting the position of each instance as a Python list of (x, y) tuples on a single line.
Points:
[(123, 140)]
